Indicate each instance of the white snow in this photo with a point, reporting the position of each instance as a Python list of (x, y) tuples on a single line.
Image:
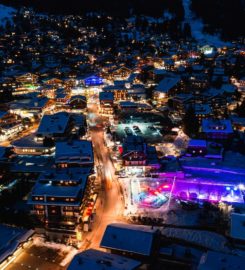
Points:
[(68, 250), (206, 239), (197, 28), (6, 13)]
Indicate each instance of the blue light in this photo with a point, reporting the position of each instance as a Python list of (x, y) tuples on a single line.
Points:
[(228, 188), (93, 81)]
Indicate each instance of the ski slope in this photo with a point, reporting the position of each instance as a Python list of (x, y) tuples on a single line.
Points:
[(197, 29)]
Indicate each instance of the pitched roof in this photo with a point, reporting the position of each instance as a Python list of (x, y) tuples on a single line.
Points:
[(130, 238)]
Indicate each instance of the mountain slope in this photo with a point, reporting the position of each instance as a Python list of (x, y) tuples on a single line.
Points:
[(6, 13), (197, 28)]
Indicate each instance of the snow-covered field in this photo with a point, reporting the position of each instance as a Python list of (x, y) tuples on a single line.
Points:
[(6, 13), (197, 28)]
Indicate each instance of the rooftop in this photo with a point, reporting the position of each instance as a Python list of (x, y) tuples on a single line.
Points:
[(55, 123), (61, 183), (167, 84), (11, 238), (197, 143), (92, 259), (130, 238), (74, 151), (238, 226), (217, 126), (106, 96), (221, 261)]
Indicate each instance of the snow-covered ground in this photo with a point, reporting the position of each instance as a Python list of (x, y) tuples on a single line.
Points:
[(6, 13), (206, 239), (197, 28), (69, 251)]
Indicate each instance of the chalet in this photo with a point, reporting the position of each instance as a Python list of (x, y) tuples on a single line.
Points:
[(30, 107), (92, 259), (197, 147), (106, 102), (26, 83), (78, 102), (120, 73), (137, 156), (181, 102), (58, 201), (166, 87), (119, 92), (136, 241), (62, 97), (74, 154), (29, 146), (217, 129), (54, 126), (202, 111)]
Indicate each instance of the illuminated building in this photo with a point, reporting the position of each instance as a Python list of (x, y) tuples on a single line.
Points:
[(29, 146), (58, 201), (25, 84), (197, 147), (95, 259), (137, 156), (106, 102), (78, 102), (74, 154), (166, 87), (220, 129), (54, 126), (120, 92), (93, 81)]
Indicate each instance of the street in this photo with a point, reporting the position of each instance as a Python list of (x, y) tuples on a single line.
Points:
[(110, 204)]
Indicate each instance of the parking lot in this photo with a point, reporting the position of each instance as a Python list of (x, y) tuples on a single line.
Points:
[(147, 125), (148, 131)]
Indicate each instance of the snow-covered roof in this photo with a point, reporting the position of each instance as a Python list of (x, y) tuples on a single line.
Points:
[(48, 184), (217, 126), (10, 239), (206, 239), (74, 151), (202, 109), (197, 143), (28, 142), (238, 226), (92, 259), (106, 96), (221, 261), (167, 84), (129, 238), (54, 124)]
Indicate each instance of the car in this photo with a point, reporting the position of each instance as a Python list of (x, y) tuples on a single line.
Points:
[(128, 131)]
